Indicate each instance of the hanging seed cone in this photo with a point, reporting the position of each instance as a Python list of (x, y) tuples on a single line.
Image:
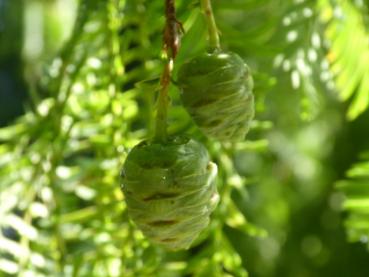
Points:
[(217, 92), (170, 190)]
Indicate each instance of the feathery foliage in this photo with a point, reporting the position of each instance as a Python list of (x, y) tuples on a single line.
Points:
[(348, 34), (62, 212), (356, 203), (62, 209)]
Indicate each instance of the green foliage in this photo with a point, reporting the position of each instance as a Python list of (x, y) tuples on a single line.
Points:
[(61, 205), (61, 208), (356, 202), (347, 34), (301, 56)]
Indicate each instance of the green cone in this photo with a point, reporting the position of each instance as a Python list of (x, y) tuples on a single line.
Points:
[(217, 92), (170, 190)]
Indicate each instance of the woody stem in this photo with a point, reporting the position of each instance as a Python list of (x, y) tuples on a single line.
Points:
[(170, 46)]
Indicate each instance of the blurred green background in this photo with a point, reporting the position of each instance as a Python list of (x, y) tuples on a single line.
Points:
[(78, 81)]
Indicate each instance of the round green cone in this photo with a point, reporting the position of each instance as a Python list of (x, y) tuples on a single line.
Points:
[(170, 190), (217, 92)]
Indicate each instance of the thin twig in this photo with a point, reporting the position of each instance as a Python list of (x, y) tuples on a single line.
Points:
[(171, 43)]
